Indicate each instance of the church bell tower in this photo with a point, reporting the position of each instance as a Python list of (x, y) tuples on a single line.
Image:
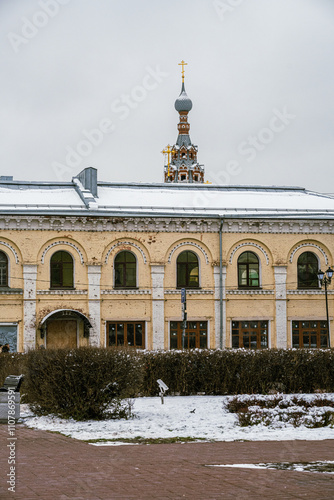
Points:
[(182, 165)]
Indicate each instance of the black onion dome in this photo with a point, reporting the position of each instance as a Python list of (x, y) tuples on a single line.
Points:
[(183, 103)]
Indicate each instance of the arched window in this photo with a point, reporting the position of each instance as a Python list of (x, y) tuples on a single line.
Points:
[(61, 270), (187, 270), (307, 270), (248, 270), (3, 269), (125, 270)]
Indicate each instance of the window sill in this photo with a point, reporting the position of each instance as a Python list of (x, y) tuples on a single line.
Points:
[(60, 288), (61, 291), (249, 288), (189, 287), (8, 290), (126, 288), (190, 291), (308, 288)]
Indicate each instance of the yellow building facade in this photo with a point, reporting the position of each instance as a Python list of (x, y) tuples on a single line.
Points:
[(90, 263), (97, 263)]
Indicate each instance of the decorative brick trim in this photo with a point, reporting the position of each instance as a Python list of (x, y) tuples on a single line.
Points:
[(250, 292), (278, 226), (119, 243), (250, 243), (309, 292), (62, 243), (190, 292), (188, 243), (125, 292), (81, 223), (309, 245), (12, 249), (61, 292)]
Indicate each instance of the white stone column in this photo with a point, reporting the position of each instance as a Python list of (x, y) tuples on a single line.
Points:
[(29, 306), (94, 304), (281, 313), (158, 306), (216, 275)]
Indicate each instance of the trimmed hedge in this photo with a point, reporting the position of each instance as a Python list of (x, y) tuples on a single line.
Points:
[(240, 371), (90, 383), (85, 383)]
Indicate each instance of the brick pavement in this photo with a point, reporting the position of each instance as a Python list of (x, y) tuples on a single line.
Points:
[(51, 466)]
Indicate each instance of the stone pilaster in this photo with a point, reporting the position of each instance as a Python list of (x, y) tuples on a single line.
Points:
[(29, 306), (158, 305), (281, 312), (216, 275), (94, 304)]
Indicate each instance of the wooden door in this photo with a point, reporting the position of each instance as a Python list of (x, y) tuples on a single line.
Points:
[(61, 333)]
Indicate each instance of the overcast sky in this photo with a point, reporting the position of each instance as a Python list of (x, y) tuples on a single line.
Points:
[(93, 83)]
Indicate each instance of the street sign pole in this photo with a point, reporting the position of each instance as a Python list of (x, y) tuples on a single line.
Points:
[(184, 314)]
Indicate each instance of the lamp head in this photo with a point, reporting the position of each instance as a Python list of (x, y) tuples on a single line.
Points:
[(320, 275), (329, 272)]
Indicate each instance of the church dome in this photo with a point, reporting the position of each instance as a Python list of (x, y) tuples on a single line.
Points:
[(183, 103)]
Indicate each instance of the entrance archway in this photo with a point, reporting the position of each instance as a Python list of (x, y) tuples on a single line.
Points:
[(64, 328)]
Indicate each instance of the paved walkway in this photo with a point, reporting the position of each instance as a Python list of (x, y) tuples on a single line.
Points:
[(51, 466)]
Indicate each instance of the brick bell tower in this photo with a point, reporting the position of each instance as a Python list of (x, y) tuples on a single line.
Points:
[(182, 165)]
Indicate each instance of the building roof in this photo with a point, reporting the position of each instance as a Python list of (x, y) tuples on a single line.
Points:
[(189, 200)]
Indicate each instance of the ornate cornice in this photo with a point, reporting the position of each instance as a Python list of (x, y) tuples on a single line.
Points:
[(278, 226), (166, 224), (112, 224)]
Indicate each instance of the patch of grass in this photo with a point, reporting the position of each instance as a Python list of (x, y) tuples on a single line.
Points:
[(142, 440)]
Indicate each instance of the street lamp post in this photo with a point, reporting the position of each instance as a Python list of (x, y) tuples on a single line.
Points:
[(325, 279)]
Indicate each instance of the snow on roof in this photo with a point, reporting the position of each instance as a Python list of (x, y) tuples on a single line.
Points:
[(201, 200), (213, 200), (28, 196)]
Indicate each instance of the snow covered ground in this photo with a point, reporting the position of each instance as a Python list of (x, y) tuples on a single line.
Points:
[(203, 417)]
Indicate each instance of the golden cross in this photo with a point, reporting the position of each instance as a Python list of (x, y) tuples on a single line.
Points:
[(183, 64), (167, 151)]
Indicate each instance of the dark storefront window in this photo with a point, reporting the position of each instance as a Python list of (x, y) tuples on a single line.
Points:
[(309, 334), (250, 334), (127, 333), (196, 335)]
